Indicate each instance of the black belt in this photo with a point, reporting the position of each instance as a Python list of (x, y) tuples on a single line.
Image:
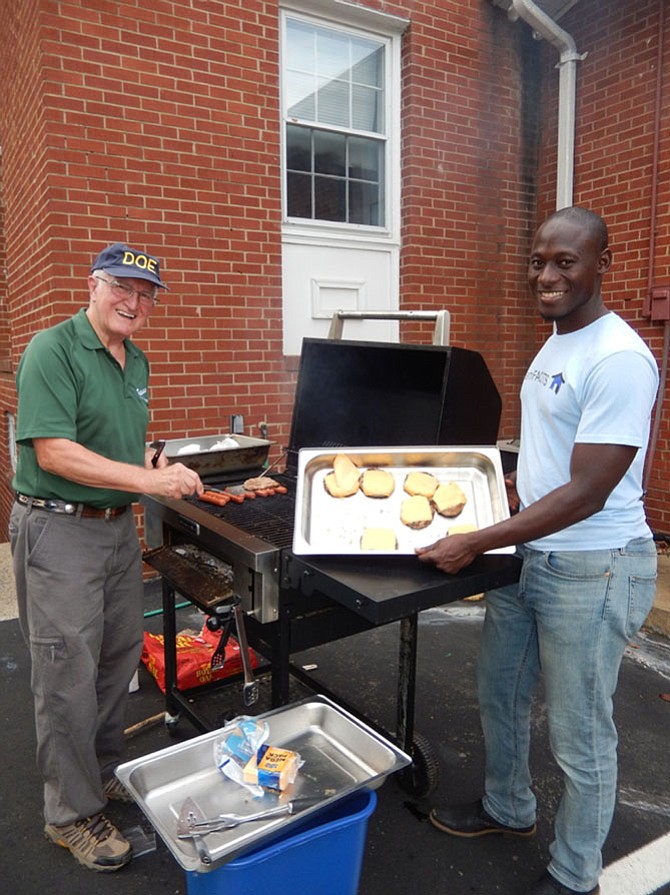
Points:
[(70, 509)]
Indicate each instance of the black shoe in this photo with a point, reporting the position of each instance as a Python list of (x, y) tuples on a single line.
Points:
[(547, 885), (471, 820)]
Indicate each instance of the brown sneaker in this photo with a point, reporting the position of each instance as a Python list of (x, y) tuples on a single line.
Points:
[(94, 842), (115, 791)]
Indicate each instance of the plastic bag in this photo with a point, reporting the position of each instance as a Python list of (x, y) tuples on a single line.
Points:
[(239, 742), (195, 653)]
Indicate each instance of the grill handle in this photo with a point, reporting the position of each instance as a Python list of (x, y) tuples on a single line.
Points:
[(440, 333)]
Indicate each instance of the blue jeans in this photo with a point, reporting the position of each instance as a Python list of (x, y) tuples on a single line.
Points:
[(570, 618)]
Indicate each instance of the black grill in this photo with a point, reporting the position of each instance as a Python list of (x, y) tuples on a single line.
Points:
[(348, 394)]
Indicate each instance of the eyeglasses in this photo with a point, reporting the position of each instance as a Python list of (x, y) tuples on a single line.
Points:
[(125, 290)]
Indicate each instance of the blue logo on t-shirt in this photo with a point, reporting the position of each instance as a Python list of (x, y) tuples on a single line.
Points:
[(556, 382)]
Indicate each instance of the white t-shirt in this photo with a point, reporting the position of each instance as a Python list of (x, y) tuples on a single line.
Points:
[(593, 386)]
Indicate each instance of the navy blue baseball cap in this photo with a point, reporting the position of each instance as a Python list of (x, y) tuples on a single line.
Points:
[(120, 260)]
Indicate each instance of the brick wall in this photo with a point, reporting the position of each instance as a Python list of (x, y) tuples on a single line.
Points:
[(628, 45), (160, 125), (24, 282)]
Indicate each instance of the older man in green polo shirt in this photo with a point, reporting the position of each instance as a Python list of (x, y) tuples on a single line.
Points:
[(83, 411)]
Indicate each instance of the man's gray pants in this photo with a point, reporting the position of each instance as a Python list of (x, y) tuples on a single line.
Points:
[(80, 599)]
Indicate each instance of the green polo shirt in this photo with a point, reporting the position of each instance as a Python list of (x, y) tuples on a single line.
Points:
[(70, 386)]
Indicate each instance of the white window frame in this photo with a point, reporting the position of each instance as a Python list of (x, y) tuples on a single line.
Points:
[(379, 26)]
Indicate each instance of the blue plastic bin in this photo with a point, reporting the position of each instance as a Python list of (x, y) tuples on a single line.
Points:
[(324, 855)]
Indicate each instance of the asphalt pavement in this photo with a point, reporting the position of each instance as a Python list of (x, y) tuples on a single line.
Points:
[(403, 852)]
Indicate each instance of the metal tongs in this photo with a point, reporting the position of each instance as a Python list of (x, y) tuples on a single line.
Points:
[(191, 822), (228, 821)]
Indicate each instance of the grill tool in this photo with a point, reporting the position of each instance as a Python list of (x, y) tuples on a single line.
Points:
[(222, 619), (251, 690), (190, 824), (190, 813)]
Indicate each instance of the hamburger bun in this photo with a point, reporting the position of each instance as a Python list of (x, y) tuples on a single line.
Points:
[(344, 480), (449, 499), (421, 483), (377, 483), (416, 512)]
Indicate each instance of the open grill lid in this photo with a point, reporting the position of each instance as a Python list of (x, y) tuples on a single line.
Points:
[(367, 394)]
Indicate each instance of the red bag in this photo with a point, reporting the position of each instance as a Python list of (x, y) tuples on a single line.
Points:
[(194, 658)]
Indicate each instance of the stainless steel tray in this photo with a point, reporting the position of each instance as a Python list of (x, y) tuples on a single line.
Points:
[(327, 525), (245, 453), (340, 755)]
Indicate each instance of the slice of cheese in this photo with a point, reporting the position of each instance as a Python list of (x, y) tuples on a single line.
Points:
[(379, 539), (423, 483), (449, 499), (416, 512), (377, 483)]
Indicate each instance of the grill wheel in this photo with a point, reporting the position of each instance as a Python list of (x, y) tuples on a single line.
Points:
[(423, 775)]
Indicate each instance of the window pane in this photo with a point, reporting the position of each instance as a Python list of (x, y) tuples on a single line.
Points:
[(367, 109), (364, 159), (368, 62), (329, 199), (300, 45), (333, 104), (332, 53), (299, 195), (364, 204), (329, 153), (298, 148), (300, 96)]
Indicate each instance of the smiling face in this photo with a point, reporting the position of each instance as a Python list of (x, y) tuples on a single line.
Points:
[(114, 317), (567, 261)]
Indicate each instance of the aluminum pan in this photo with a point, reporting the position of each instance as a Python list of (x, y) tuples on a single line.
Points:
[(341, 755), (250, 453), (325, 525)]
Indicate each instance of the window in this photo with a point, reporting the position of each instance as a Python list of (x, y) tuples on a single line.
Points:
[(340, 174), (335, 124)]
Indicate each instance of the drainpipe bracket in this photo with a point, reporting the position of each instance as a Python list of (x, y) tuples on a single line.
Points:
[(570, 56)]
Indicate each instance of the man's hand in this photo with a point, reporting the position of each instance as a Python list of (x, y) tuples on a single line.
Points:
[(174, 480), (450, 554), (512, 496)]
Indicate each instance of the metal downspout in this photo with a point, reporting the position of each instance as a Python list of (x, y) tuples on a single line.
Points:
[(665, 357), (546, 27)]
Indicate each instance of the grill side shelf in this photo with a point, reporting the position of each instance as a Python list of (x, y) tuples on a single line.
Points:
[(193, 573)]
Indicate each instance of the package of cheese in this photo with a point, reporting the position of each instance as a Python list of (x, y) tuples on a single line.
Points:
[(273, 768)]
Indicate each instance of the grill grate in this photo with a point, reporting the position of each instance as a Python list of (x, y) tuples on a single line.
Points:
[(191, 571), (269, 518)]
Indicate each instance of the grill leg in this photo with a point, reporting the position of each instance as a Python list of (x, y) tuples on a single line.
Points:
[(281, 659), (170, 647), (409, 627)]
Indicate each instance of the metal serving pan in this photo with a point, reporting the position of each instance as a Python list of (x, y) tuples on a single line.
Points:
[(240, 453), (340, 754), (327, 525)]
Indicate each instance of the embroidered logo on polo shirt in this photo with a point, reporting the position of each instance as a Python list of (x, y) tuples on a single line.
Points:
[(142, 394)]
